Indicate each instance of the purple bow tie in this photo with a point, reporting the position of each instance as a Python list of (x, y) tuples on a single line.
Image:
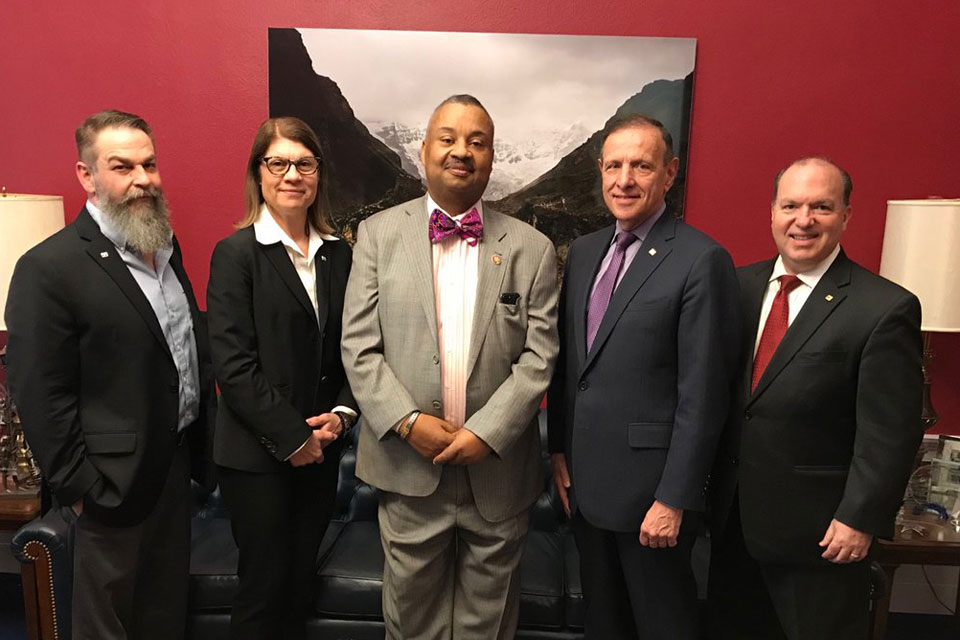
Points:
[(469, 227)]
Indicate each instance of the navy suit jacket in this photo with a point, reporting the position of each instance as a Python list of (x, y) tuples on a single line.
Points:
[(834, 423), (639, 416)]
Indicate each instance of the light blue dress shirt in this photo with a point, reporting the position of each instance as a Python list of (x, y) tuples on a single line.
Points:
[(163, 290)]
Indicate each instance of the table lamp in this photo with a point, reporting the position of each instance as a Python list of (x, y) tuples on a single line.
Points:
[(25, 220), (921, 252)]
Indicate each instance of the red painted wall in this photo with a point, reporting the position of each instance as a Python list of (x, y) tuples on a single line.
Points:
[(874, 85)]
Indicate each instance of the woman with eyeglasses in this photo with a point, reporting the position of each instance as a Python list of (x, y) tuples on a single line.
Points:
[(274, 302)]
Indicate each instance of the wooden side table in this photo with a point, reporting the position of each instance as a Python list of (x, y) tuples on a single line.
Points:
[(17, 510), (940, 546)]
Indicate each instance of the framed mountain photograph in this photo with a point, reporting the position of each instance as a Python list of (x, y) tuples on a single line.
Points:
[(369, 94)]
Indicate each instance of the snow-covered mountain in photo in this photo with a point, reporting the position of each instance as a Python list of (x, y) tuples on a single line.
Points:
[(517, 162)]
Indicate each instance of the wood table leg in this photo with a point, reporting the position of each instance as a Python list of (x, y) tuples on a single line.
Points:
[(882, 606)]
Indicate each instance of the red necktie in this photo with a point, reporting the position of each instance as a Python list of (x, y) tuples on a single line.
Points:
[(774, 329)]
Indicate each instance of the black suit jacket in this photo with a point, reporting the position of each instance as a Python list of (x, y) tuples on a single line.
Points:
[(833, 426), (93, 378), (638, 417), (276, 366)]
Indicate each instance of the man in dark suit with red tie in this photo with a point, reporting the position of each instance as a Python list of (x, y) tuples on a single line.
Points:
[(648, 332), (823, 429)]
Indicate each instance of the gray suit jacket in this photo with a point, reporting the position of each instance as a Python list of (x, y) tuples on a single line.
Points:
[(392, 359)]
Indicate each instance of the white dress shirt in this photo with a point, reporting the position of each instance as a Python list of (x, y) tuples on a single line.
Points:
[(797, 297), (455, 276), (268, 231)]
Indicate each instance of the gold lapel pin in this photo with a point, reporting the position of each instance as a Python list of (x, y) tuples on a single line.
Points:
[(104, 254), (497, 259), (828, 297), (652, 252)]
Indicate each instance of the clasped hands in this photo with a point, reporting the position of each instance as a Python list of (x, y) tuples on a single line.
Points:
[(326, 429), (438, 440)]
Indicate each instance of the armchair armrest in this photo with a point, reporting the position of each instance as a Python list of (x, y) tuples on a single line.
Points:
[(44, 547)]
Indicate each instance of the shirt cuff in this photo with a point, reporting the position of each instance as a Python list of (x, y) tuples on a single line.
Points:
[(347, 410)]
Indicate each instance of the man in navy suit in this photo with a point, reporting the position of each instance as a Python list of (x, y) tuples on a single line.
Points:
[(823, 429), (649, 328)]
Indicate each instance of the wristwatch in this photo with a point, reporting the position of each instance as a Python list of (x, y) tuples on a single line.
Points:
[(346, 422), (406, 425)]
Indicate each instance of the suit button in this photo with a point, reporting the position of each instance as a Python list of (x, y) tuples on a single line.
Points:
[(747, 415), (736, 461), (436, 359), (583, 386), (323, 335), (323, 379), (436, 404)]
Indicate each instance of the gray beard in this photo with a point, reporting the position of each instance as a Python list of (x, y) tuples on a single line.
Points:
[(141, 217)]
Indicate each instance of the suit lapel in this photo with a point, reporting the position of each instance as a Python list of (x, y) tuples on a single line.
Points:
[(105, 254), (176, 262), (277, 255), (581, 289), (416, 242), (321, 270), (489, 279), (823, 300), (656, 247)]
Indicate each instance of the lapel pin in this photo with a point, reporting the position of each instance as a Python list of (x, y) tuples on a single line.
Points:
[(652, 252), (104, 254), (828, 297), (323, 258), (497, 259)]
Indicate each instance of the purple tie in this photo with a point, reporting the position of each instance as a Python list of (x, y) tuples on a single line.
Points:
[(607, 283)]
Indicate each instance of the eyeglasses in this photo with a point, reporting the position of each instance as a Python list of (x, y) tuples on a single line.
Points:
[(306, 166)]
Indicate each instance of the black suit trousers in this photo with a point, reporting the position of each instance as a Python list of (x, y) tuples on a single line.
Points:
[(750, 600), (132, 582), (632, 592), (278, 521)]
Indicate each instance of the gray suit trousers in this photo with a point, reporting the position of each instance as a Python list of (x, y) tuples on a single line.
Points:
[(448, 572)]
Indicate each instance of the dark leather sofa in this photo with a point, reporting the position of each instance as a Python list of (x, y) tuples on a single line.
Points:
[(349, 569)]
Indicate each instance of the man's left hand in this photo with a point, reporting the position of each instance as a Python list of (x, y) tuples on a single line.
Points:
[(329, 422), (661, 526), (845, 544), (466, 448)]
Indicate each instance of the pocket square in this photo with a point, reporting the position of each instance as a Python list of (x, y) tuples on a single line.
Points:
[(509, 298)]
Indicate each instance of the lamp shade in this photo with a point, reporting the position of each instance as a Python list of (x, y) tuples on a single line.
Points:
[(25, 220), (921, 252)]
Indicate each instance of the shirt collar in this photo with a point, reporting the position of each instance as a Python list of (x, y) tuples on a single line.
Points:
[(115, 236), (267, 231), (811, 277), (643, 229), (431, 205)]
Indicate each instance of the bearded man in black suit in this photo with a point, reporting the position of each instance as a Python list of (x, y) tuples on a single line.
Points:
[(109, 367)]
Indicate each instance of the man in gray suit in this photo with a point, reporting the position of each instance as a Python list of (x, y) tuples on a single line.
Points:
[(449, 341), (649, 326)]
